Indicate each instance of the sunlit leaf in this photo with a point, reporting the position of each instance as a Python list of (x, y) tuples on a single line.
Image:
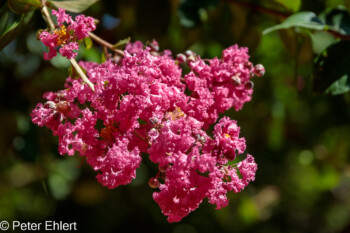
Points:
[(306, 20), (14, 29), (293, 5), (23, 6), (332, 69), (75, 6), (88, 42), (340, 86), (321, 40), (103, 57), (122, 42)]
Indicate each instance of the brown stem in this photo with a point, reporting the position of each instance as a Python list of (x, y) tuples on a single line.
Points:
[(338, 35), (106, 44), (260, 8)]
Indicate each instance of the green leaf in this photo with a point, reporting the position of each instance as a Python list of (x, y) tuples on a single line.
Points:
[(15, 29), (88, 42), (75, 6), (4, 21), (332, 69), (122, 42), (340, 86), (103, 57), (321, 40), (23, 6), (305, 19), (293, 5), (337, 19)]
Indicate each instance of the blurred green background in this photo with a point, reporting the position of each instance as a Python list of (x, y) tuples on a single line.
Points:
[(300, 139)]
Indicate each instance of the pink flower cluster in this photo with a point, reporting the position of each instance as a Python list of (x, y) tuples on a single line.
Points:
[(139, 110), (66, 35)]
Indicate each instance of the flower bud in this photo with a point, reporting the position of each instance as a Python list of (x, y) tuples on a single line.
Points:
[(230, 155), (181, 58), (51, 104), (249, 85), (153, 134), (248, 65), (259, 70), (190, 53), (153, 120), (153, 182), (163, 168), (63, 107), (154, 45), (236, 80)]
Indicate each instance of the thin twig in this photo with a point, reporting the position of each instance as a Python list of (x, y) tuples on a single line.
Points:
[(81, 73), (338, 35), (106, 44), (47, 16)]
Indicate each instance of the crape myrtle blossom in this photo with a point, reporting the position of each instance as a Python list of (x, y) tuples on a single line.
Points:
[(140, 110), (66, 35)]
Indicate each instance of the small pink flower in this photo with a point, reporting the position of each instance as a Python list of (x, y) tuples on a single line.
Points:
[(67, 50), (67, 34), (62, 17)]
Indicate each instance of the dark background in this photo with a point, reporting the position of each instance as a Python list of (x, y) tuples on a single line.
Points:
[(299, 139)]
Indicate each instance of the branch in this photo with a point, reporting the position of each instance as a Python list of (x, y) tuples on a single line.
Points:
[(338, 35), (47, 16), (106, 44), (81, 73)]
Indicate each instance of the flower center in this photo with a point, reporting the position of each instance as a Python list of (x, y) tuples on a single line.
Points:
[(63, 37)]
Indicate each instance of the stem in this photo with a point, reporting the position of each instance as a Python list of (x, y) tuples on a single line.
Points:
[(81, 73), (50, 23), (47, 16), (106, 44), (338, 35)]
